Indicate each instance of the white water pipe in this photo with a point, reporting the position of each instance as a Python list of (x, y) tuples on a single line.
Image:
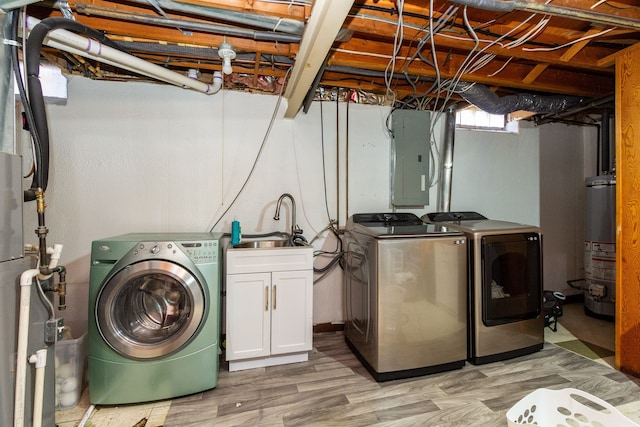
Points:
[(40, 360), (55, 255), (89, 48), (26, 279)]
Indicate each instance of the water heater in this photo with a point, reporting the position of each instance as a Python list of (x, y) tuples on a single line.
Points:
[(600, 246)]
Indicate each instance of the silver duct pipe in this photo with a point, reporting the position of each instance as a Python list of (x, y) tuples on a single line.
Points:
[(226, 30), (565, 12), (446, 171), (494, 5), (271, 23), (483, 98)]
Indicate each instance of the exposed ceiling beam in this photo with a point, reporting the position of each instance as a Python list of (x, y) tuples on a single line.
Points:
[(547, 9), (327, 17)]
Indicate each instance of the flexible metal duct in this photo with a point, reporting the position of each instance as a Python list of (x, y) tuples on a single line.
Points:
[(602, 102), (486, 100)]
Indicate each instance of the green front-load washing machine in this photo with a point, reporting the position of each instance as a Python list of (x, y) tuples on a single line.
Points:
[(154, 316)]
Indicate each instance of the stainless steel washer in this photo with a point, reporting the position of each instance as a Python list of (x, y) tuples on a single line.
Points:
[(405, 295)]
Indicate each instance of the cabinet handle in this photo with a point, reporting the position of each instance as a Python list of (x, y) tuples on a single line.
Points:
[(275, 288), (266, 298)]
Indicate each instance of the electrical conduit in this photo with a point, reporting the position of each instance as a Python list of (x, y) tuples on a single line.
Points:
[(26, 279)]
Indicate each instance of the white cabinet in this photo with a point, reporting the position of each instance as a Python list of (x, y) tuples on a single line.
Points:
[(269, 306)]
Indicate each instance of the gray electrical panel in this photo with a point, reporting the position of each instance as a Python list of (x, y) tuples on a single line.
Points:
[(410, 157)]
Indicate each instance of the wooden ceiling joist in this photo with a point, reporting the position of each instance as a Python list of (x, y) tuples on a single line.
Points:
[(521, 51)]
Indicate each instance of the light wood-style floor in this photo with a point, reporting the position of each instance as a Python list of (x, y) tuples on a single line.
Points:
[(333, 389)]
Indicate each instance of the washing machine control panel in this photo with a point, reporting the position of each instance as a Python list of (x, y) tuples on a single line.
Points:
[(203, 252), (200, 252)]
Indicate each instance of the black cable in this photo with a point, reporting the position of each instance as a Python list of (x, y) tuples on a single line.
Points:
[(29, 194), (335, 260), (37, 118)]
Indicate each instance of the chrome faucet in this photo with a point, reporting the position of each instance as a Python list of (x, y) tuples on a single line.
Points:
[(295, 229)]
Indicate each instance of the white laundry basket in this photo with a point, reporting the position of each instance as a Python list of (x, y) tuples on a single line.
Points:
[(566, 407)]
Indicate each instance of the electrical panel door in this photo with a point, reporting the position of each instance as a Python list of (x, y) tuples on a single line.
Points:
[(410, 157)]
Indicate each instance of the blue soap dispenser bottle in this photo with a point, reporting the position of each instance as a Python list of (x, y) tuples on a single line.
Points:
[(236, 232)]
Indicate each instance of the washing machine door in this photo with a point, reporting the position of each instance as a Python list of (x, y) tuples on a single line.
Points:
[(150, 309)]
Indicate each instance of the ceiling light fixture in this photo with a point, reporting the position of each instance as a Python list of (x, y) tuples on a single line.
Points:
[(227, 53)]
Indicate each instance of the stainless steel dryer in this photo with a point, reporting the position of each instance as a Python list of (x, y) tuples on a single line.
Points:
[(505, 285), (405, 295)]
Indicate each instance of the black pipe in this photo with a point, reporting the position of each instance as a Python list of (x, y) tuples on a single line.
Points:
[(38, 120), (598, 148), (37, 107), (30, 193), (605, 129)]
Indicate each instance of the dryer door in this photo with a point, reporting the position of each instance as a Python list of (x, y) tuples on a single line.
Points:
[(150, 309)]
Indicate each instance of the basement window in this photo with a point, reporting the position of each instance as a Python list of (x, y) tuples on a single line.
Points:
[(475, 119)]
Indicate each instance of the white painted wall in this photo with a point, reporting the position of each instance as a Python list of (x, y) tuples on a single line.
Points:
[(132, 157), (135, 157), (496, 174), (569, 155)]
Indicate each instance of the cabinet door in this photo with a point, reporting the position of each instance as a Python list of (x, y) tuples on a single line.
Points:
[(248, 315), (291, 311)]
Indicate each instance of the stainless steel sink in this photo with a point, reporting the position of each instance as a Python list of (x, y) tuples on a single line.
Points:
[(261, 244)]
